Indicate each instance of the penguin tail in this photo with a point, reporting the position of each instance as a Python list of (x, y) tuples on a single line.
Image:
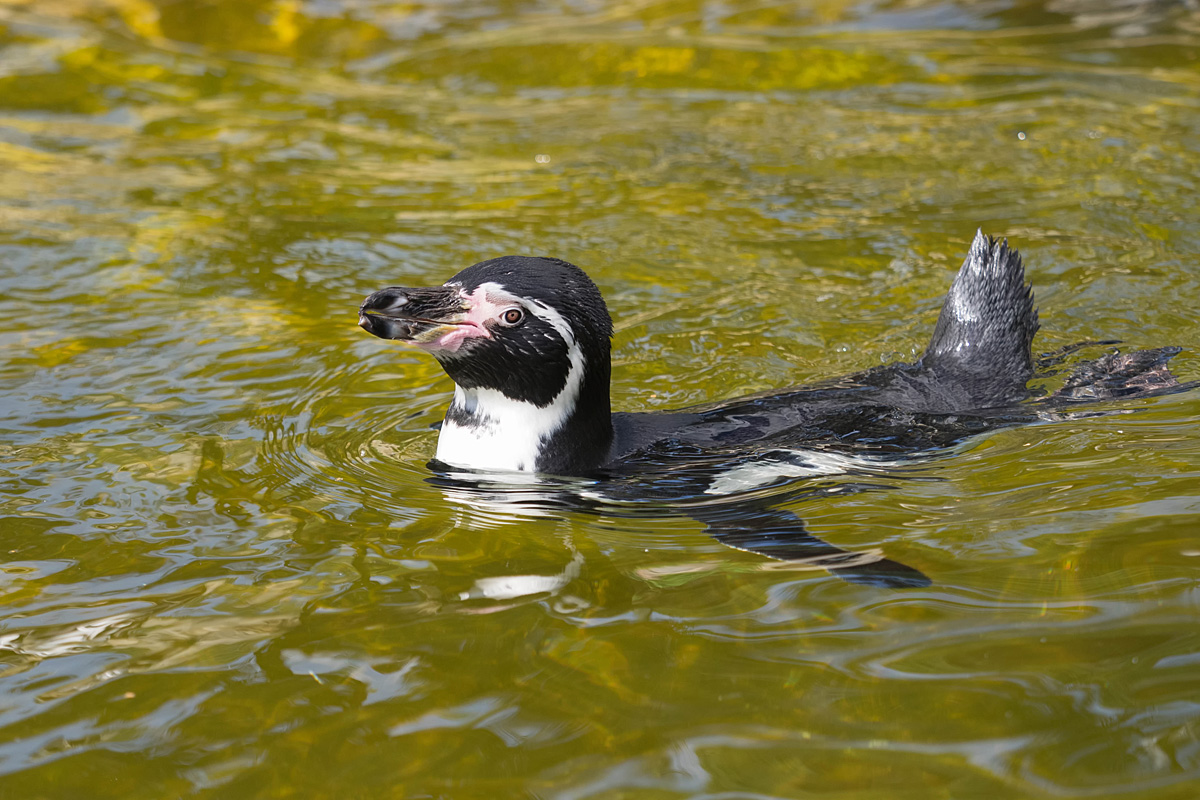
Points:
[(988, 320)]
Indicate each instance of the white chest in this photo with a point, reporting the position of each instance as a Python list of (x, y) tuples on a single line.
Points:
[(486, 430)]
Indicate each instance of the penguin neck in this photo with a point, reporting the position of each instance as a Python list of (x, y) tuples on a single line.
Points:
[(571, 435)]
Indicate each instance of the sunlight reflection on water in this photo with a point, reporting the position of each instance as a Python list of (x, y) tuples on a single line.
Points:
[(225, 551)]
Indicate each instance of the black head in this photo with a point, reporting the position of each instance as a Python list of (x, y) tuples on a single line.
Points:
[(563, 317), (526, 341), (513, 324)]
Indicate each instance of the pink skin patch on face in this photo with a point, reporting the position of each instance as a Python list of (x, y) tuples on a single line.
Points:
[(481, 309)]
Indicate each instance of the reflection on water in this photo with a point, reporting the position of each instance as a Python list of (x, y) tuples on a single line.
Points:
[(224, 551)]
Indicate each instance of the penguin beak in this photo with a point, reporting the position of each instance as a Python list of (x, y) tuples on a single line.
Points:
[(435, 318)]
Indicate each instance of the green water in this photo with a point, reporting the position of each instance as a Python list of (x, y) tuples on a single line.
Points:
[(225, 574)]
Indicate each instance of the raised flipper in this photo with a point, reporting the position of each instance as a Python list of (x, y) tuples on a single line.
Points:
[(984, 336), (776, 533), (985, 330)]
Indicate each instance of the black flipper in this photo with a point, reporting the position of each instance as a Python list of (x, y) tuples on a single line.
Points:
[(985, 330), (1137, 374), (779, 534)]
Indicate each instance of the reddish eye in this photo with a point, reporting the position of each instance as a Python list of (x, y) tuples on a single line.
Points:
[(512, 316)]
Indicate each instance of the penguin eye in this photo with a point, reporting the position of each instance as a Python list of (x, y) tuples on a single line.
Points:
[(513, 316)]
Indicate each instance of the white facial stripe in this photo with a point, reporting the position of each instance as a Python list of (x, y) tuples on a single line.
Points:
[(548, 314), (509, 433), (490, 300)]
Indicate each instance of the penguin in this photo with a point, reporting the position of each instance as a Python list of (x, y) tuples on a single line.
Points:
[(527, 340)]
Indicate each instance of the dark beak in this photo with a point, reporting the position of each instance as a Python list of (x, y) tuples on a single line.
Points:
[(412, 315)]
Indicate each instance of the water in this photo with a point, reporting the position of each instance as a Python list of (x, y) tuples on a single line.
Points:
[(228, 574)]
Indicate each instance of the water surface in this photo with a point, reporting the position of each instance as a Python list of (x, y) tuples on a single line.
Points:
[(227, 573)]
